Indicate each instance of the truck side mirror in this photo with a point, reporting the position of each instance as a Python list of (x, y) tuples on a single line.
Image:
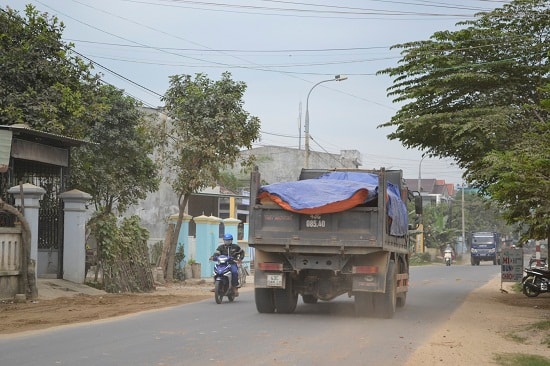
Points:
[(418, 204)]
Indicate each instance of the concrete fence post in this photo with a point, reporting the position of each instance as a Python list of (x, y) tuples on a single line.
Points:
[(74, 236), (31, 202)]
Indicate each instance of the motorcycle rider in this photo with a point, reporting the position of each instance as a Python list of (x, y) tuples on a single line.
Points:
[(448, 253), (235, 252)]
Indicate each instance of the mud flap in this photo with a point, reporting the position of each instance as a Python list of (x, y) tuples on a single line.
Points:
[(369, 283)]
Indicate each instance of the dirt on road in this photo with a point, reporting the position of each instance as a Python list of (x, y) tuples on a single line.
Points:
[(60, 303), (490, 321)]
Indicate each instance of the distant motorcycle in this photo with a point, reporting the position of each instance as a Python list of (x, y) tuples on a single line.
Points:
[(534, 262), (222, 279), (448, 256), (535, 282)]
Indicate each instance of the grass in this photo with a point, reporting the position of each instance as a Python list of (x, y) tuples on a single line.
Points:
[(542, 326), (516, 338), (520, 359), (516, 287)]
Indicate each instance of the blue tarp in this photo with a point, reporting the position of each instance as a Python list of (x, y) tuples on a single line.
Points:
[(340, 186)]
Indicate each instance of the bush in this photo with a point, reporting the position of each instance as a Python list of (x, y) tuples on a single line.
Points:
[(420, 259)]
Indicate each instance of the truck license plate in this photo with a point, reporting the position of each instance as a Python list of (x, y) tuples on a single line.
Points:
[(275, 280)]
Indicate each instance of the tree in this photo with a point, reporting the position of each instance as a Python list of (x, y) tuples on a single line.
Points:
[(209, 127), (116, 166), (522, 180), (475, 94), (42, 83), (437, 231)]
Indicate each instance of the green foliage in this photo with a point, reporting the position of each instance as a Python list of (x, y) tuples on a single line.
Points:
[(155, 252), (207, 131), (521, 179), (418, 259), (472, 90), (229, 181), (520, 359), (443, 222), (437, 231), (480, 95), (42, 83), (116, 167), (178, 266), (543, 327), (480, 214), (209, 128), (122, 253)]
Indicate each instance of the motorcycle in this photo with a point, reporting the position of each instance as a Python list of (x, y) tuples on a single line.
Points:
[(535, 282), (538, 263), (448, 256), (222, 279)]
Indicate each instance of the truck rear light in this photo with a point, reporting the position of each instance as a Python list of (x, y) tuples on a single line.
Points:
[(364, 269), (269, 266)]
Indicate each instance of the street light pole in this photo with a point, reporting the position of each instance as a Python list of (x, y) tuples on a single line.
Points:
[(420, 174), (306, 125)]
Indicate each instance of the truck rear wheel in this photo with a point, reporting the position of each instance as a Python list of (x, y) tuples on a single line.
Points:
[(384, 304), (285, 299), (264, 300)]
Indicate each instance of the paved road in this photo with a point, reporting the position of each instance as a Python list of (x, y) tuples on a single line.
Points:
[(206, 333)]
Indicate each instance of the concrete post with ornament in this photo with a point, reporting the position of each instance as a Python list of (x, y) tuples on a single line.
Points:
[(28, 197), (74, 236)]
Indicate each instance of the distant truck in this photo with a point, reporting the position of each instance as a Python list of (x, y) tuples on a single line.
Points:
[(484, 246), (312, 244)]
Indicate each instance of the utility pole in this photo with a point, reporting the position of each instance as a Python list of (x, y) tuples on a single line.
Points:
[(463, 231)]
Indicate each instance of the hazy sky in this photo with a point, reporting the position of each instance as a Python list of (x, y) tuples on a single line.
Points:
[(280, 49)]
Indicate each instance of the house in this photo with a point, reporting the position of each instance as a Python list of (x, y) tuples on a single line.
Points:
[(433, 191), (281, 164), (41, 159), (276, 164)]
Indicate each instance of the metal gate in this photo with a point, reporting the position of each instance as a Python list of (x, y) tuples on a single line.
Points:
[(50, 217)]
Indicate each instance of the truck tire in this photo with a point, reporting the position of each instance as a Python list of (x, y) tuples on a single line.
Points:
[(364, 304), (264, 300), (309, 299), (385, 304), (285, 299)]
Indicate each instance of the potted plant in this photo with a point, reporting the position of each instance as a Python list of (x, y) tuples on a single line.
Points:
[(195, 268)]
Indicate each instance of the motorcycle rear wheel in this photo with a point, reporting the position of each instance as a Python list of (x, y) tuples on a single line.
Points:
[(218, 292), (527, 290)]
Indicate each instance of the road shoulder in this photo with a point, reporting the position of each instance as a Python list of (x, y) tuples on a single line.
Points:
[(489, 322)]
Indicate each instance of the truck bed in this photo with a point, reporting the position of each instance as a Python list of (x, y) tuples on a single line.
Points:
[(360, 230)]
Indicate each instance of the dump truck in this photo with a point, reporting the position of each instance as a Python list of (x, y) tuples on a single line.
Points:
[(330, 233), (484, 246)]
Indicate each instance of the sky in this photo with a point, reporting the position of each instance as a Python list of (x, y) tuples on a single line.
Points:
[(283, 51)]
